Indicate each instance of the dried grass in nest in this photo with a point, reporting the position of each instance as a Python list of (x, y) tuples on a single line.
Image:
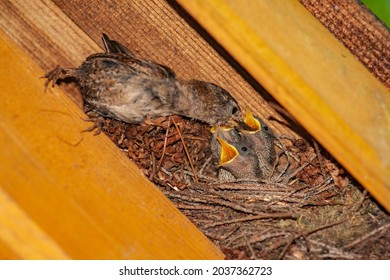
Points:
[(311, 209)]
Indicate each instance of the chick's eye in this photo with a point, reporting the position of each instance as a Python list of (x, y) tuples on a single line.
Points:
[(264, 127), (234, 110), (244, 149)]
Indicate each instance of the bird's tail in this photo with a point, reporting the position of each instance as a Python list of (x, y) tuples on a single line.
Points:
[(112, 46)]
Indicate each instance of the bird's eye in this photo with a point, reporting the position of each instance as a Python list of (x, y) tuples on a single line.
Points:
[(234, 110), (244, 149), (264, 127)]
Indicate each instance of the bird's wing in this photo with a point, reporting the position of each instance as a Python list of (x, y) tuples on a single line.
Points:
[(142, 68), (148, 68)]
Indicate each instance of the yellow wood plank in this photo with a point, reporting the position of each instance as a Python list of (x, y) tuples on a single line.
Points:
[(45, 33), (22, 235), (152, 29), (313, 76), (78, 190)]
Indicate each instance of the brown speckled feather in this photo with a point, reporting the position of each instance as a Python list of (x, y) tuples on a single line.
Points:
[(120, 85)]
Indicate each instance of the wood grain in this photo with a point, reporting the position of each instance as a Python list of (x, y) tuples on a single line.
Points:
[(66, 32), (313, 76), (78, 190), (38, 27), (68, 194), (359, 30), (21, 237)]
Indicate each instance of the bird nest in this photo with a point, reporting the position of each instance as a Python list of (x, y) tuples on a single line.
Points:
[(312, 209)]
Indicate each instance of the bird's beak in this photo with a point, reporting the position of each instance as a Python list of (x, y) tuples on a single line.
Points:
[(228, 152), (217, 128), (251, 121), (235, 123), (235, 119)]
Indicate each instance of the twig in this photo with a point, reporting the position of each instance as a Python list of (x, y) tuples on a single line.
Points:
[(318, 189), (226, 234), (204, 165), (287, 195), (284, 151), (256, 217), (360, 203), (200, 176), (210, 200), (332, 252), (365, 237), (153, 166), (267, 236), (165, 145), (235, 238), (305, 234), (249, 186), (186, 150), (204, 208), (319, 156), (300, 168), (283, 147), (249, 245)]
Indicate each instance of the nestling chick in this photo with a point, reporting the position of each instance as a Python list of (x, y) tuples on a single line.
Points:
[(258, 141), (239, 159), (261, 138), (120, 85), (228, 134)]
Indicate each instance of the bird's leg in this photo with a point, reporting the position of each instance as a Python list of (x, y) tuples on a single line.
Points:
[(57, 73), (98, 123)]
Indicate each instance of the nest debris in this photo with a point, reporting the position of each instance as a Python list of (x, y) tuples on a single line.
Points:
[(312, 210)]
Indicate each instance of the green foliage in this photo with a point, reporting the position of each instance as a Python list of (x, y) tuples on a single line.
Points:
[(381, 8)]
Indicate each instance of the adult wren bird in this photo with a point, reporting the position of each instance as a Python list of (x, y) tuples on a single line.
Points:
[(120, 85)]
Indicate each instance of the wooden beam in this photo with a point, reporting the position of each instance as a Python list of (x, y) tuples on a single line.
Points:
[(68, 194), (313, 76), (60, 32)]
